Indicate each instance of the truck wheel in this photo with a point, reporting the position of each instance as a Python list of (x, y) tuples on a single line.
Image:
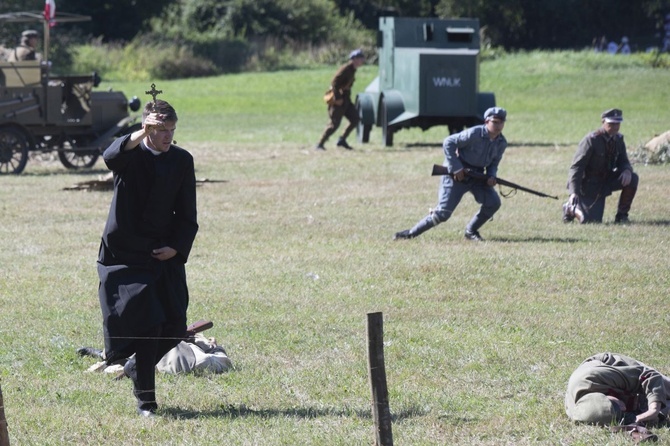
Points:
[(455, 128), (387, 130), (73, 158), (13, 150), (362, 130)]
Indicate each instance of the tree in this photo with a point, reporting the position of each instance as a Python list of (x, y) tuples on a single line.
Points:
[(114, 20), (554, 24)]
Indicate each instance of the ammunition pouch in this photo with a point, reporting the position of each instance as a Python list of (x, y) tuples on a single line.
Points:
[(329, 98)]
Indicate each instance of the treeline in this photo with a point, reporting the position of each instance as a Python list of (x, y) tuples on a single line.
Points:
[(199, 37)]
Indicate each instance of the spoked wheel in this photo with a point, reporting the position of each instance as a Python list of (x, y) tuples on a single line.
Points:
[(13, 150), (387, 130), (74, 158)]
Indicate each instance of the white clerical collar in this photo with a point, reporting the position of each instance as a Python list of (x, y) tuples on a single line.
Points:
[(154, 152)]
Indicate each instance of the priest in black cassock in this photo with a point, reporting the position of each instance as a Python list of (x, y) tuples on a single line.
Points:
[(149, 233)]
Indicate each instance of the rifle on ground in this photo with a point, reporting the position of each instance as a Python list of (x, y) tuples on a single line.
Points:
[(197, 327), (441, 170)]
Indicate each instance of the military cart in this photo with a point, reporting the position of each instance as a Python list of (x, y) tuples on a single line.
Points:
[(428, 76), (44, 112)]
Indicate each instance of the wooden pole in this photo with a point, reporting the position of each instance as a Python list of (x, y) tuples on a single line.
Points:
[(4, 434), (381, 413)]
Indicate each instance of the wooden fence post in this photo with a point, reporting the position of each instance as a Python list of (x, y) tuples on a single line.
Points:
[(381, 413), (4, 434)]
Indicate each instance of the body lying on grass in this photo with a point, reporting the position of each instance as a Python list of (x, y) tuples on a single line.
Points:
[(199, 354), (609, 388)]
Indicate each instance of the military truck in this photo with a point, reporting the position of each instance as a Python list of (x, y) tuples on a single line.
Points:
[(43, 112), (428, 76)]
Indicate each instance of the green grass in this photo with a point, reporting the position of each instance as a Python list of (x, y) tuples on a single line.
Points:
[(480, 339), (552, 98)]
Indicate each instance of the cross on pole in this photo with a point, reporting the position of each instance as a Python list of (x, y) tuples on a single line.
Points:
[(153, 92)]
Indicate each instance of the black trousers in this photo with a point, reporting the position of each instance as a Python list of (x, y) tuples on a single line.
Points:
[(149, 349)]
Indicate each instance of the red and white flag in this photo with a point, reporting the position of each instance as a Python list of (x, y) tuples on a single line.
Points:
[(50, 11)]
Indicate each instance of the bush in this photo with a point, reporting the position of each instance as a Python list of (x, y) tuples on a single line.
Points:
[(656, 59), (658, 156), (102, 58), (228, 55), (141, 59)]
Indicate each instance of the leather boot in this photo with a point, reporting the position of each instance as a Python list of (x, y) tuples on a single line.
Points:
[(626, 199)]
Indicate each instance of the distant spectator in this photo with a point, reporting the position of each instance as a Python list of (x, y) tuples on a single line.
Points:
[(624, 48), (666, 44), (599, 45), (612, 47)]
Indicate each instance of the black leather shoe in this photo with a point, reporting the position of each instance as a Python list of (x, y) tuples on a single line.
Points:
[(621, 219), (146, 413), (473, 235), (320, 147), (343, 143), (403, 235)]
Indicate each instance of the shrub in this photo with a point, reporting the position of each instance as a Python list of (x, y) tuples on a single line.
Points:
[(141, 59), (659, 156)]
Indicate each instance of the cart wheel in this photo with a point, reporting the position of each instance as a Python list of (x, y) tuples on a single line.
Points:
[(73, 158), (387, 130), (362, 130), (13, 150)]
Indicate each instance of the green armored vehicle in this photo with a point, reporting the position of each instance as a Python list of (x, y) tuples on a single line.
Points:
[(428, 76), (43, 112)]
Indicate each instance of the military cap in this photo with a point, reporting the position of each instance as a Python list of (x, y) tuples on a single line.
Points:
[(612, 115), (495, 112), (596, 408), (356, 53), (30, 33)]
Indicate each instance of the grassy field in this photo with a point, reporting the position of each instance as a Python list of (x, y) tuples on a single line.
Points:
[(295, 248)]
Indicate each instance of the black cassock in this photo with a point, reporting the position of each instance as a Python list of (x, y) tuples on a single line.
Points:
[(154, 205)]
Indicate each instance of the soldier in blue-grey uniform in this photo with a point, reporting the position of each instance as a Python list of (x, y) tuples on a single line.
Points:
[(599, 167), (479, 148)]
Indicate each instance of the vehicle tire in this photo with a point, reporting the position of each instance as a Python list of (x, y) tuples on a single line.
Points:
[(72, 158), (362, 130), (14, 148), (455, 128), (387, 130)]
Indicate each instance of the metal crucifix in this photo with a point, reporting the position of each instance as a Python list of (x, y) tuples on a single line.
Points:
[(153, 92)]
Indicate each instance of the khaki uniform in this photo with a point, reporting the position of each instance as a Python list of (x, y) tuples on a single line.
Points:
[(615, 375), (22, 52), (341, 86), (594, 174)]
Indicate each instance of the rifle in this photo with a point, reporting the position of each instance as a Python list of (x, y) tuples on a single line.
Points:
[(441, 170), (197, 327)]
